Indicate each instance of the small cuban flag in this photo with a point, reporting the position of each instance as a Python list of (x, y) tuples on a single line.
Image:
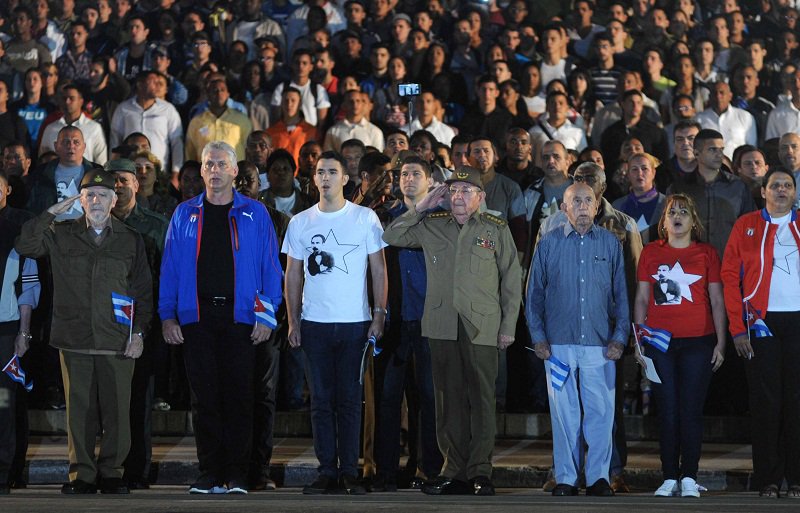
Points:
[(15, 372), (755, 322), (657, 338), (123, 308), (265, 312), (559, 372)]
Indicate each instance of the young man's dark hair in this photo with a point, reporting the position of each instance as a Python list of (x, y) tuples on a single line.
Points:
[(604, 36), (686, 123), (354, 143), (420, 162), (330, 154), (372, 162), (705, 135), (279, 154), (631, 92)]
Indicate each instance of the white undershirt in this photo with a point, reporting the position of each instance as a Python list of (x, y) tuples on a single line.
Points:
[(784, 287)]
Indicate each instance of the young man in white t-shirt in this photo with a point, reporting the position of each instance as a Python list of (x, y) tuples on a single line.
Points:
[(329, 249)]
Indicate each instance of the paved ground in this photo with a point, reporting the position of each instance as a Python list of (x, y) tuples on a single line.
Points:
[(172, 499), (517, 463)]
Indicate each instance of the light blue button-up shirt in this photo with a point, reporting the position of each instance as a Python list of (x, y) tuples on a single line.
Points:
[(576, 291)]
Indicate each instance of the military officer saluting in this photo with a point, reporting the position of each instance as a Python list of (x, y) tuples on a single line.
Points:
[(471, 306)]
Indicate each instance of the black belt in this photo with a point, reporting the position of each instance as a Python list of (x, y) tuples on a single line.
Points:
[(217, 300)]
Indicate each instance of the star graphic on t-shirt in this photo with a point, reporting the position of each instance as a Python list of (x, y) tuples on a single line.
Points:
[(330, 244), (679, 277), (782, 253)]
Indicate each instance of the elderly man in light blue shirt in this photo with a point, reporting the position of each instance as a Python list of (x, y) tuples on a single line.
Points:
[(577, 313)]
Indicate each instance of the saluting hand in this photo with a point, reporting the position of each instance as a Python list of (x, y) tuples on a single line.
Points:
[(64, 205), (433, 199)]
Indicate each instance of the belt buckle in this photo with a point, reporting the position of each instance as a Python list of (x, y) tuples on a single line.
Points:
[(219, 301)]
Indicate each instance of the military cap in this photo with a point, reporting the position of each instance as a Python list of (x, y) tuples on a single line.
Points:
[(120, 165), (98, 178), (466, 174)]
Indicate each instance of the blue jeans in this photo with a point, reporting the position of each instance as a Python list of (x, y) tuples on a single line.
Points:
[(685, 372), (394, 384), (293, 377), (333, 351)]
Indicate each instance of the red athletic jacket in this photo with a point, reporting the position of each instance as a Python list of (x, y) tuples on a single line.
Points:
[(747, 265)]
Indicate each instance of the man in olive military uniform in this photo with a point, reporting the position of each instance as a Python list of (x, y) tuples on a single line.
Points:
[(153, 229), (91, 258), (471, 307)]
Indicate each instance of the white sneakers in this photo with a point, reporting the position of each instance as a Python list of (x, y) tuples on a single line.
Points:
[(668, 489), (687, 488)]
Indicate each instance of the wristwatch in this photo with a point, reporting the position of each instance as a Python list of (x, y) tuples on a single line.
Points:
[(378, 309), (141, 335)]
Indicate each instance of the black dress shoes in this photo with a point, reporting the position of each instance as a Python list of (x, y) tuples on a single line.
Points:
[(78, 487), (446, 486), (482, 485), (114, 486), (601, 488), (564, 490)]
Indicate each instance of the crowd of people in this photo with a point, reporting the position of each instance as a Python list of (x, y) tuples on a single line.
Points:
[(405, 216)]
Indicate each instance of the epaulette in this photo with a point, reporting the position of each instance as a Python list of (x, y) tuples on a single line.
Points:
[(441, 214), (499, 221)]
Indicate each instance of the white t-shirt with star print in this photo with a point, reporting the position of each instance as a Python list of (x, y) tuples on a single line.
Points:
[(334, 248), (784, 287)]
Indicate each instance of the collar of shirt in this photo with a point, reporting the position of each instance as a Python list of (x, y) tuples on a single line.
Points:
[(569, 229)]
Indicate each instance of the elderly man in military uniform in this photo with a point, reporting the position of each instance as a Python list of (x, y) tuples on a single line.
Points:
[(93, 257), (471, 307), (146, 385)]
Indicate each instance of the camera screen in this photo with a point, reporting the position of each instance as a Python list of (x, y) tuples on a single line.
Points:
[(408, 89)]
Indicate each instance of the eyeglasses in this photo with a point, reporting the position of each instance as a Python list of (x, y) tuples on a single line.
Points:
[(464, 191)]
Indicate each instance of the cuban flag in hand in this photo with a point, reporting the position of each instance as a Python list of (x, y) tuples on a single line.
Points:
[(655, 337), (755, 322), (559, 372), (123, 308), (265, 312), (15, 372)]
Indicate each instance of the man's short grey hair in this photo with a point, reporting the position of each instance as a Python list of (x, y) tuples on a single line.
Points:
[(220, 146), (596, 170)]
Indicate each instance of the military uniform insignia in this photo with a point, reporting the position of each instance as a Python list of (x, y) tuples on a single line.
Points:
[(484, 243), (461, 175), (499, 221), (98, 179), (439, 214)]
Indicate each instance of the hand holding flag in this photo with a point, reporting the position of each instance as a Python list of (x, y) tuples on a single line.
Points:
[(15, 372), (657, 338), (371, 341), (755, 322)]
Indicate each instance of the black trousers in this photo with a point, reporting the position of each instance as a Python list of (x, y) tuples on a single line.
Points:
[(8, 436), (773, 376), (220, 358), (265, 385)]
